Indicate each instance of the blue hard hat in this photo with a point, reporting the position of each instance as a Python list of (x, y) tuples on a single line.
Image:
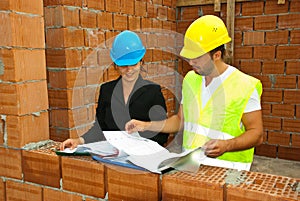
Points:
[(127, 49)]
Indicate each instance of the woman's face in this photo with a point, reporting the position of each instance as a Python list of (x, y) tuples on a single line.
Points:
[(130, 73)]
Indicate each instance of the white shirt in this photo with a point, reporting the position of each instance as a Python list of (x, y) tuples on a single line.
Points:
[(253, 103)]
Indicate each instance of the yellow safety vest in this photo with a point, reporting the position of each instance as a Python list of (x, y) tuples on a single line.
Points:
[(221, 117)]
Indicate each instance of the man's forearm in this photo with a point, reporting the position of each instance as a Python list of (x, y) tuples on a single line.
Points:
[(170, 125)]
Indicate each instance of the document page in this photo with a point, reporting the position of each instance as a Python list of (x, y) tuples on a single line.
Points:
[(148, 154), (133, 144), (102, 148)]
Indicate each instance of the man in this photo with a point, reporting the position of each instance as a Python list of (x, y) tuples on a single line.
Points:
[(220, 109)]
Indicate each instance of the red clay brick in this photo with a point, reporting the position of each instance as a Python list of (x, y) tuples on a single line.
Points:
[(127, 7), (288, 21), (296, 140), (23, 65), (20, 191), (61, 16), (157, 2), (94, 38), (289, 153), (295, 36), (162, 13), (95, 4), (243, 53), (120, 22), (254, 38), (294, 6), (277, 37), (272, 123), (63, 2), (113, 6), (60, 134), (65, 98), (251, 67), (182, 26), (146, 23), (167, 25), (252, 8), (66, 78), (10, 164), (291, 125), (209, 10), (207, 183), (140, 9), (264, 52), (2, 130), (260, 186), (68, 118), (288, 52), (273, 67), (64, 37), (238, 38), (243, 24), (88, 19), (24, 6), (63, 58), (134, 23), (57, 195), (167, 3), (266, 108), (291, 96), (297, 111), (283, 110), (278, 138), (83, 175), (286, 82), (129, 184), (17, 30), (265, 22), (272, 7), (2, 190), (23, 98), (95, 75), (25, 129), (189, 13), (41, 168), (266, 150), (171, 14), (105, 20)]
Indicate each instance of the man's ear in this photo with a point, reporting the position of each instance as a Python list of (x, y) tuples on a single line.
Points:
[(217, 55)]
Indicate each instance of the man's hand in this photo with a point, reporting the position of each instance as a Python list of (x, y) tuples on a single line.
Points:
[(135, 126), (71, 143), (214, 148)]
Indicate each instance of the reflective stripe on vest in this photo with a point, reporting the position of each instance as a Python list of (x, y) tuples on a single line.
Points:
[(220, 118)]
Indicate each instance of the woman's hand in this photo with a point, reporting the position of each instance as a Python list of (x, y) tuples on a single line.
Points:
[(135, 126), (71, 143)]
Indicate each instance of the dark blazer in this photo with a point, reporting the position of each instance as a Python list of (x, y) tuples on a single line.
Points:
[(145, 103)]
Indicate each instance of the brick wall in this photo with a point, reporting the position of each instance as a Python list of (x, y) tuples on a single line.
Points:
[(266, 46), (23, 85), (41, 175)]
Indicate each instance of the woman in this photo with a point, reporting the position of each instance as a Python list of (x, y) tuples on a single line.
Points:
[(128, 97)]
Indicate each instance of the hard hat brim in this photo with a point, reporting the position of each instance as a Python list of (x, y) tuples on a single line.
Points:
[(189, 54)]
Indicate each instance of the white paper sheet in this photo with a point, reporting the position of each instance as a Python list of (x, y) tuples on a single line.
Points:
[(147, 153), (132, 144)]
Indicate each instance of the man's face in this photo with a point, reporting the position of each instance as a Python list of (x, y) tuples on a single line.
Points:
[(202, 65)]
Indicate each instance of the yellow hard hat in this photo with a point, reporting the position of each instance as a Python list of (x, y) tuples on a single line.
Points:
[(203, 35)]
